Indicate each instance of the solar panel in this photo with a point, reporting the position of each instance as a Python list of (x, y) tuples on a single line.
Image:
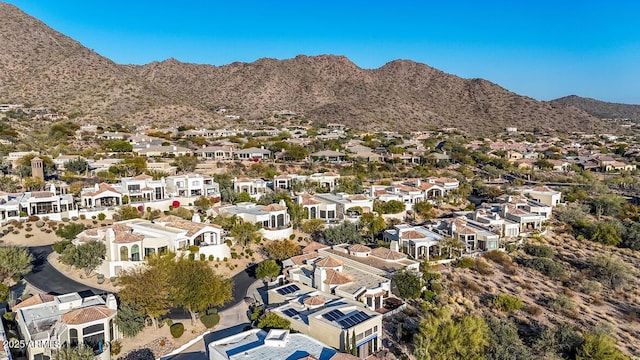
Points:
[(354, 319), (290, 312), (333, 315), (289, 289)]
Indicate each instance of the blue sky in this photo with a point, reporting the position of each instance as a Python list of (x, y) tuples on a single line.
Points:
[(543, 49)]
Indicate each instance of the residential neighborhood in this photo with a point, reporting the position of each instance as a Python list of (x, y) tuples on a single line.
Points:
[(335, 239)]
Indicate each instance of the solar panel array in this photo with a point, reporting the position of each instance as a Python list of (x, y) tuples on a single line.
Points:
[(289, 289), (354, 319), (333, 315), (290, 312)]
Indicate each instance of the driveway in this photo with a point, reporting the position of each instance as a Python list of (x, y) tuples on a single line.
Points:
[(46, 278)]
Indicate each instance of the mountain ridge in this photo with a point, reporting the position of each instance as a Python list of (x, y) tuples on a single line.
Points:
[(601, 109), (45, 67)]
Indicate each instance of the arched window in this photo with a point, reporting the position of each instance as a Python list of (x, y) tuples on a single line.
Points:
[(124, 253), (135, 253)]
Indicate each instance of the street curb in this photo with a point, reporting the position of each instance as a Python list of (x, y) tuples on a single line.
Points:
[(185, 346)]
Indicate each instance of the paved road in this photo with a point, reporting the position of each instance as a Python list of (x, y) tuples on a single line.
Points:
[(46, 278)]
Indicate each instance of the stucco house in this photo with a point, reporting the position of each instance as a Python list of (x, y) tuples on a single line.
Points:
[(274, 220)]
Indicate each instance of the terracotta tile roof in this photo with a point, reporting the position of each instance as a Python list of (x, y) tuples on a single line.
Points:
[(314, 300), (274, 207), (343, 356), (336, 278), (103, 187), (358, 197), (412, 234), (359, 248), (126, 237), (426, 186), (313, 247), (329, 262), (387, 254), (306, 357), (379, 192), (300, 259), (91, 232), (34, 300), (143, 177), (88, 314), (41, 194)]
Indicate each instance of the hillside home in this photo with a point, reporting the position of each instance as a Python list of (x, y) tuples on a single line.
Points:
[(328, 318), (274, 220), (191, 185), (68, 320), (129, 242), (51, 204), (100, 196), (254, 187), (331, 156), (417, 241), (252, 154), (543, 194), (162, 151), (330, 274), (335, 207), (215, 152)]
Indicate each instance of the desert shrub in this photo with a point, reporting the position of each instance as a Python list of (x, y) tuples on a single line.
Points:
[(210, 320), (26, 236), (176, 330), (428, 295), (194, 249), (498, 257), (28, 229), (533, 310), (482, 267), (33, 218), (464, 263), (539, 250), (210, 257), (561, 303), (225, 259), (83, 217), (102, 216), (100, 280), (545, 265), (611, 271), (39, 223), (192, 256), (234, 255), (168, 321), (112, 279), (506, 303), (203, 257), (115, 347), (140, 354)]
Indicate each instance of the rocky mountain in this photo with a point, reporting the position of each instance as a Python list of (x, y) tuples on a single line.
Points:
[(601, 109), (43, 67)]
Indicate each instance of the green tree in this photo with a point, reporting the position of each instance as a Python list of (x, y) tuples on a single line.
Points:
[(185, 163), (440, 336), (388, 207), (202, 203), (296, 152), (504, 341), (70, 230), (345, 233), (4, 292), (611, 270), (606, 233), (90, 256), (127, 212), (267, 269), (119, 146), (33, 184), (371, 224), (130, 320), (8, 184), (243, 197), (408, 283), (196, 287), (81, 352), (425, 210), (244, 233), (607, 205), (273, 321), (77, 166), (281, 250), (312, 226), (599, 347), (149, 288), (15, 262), (506, 303), (561, 340)]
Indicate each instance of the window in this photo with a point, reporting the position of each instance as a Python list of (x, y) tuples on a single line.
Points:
[(73, 337), (149, 251), (135, 253), (93, 328)]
